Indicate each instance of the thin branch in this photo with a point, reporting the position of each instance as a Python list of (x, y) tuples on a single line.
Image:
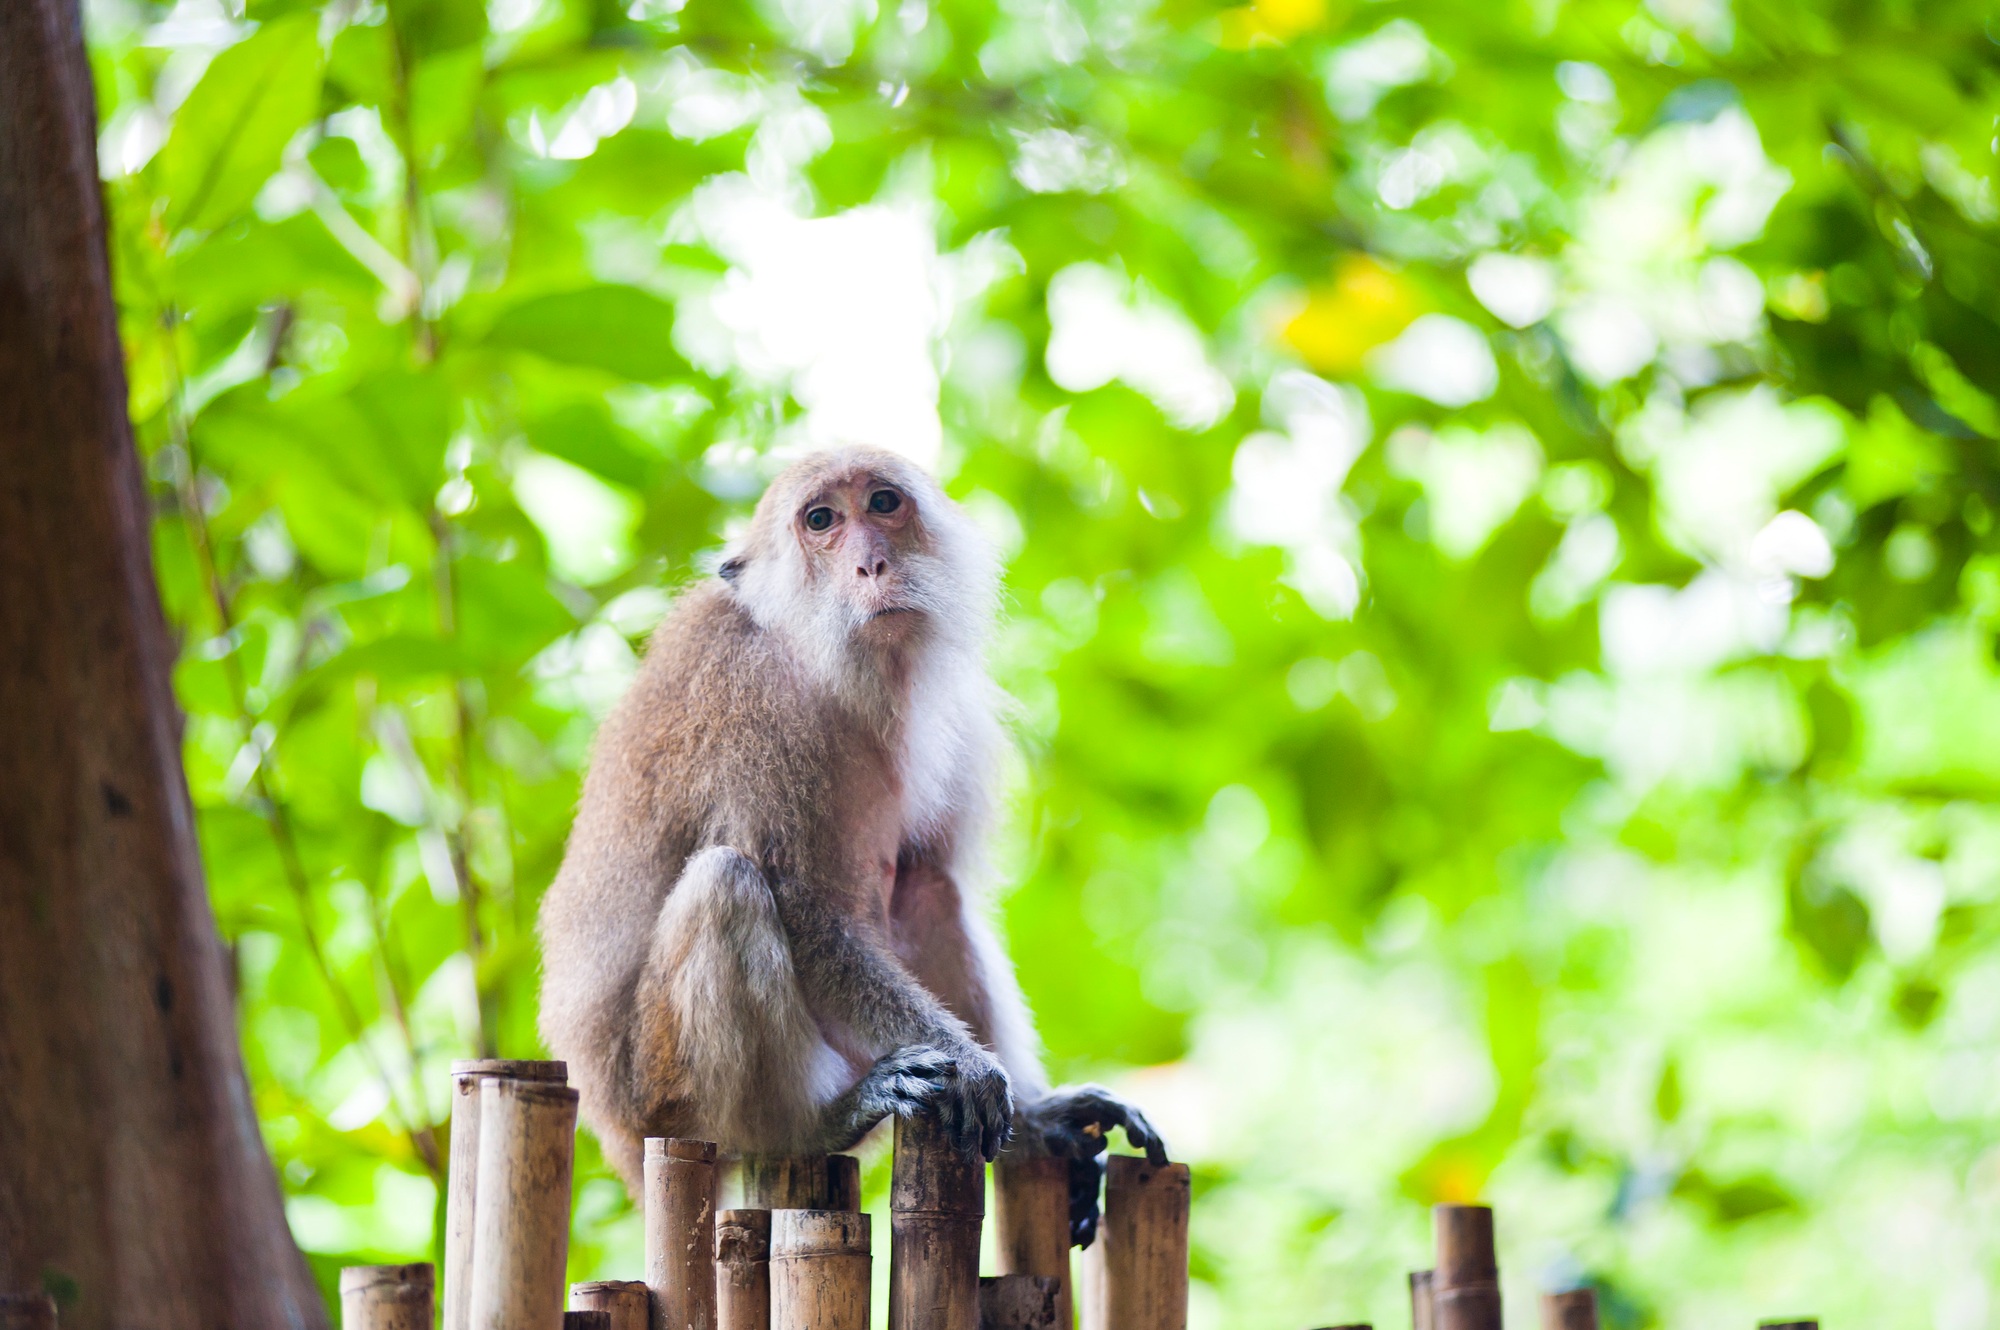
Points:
[(395, 980), (420, 259), (276, 817), (459, 775)]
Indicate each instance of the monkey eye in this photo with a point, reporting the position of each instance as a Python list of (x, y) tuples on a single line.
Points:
[(819, 519), (884, 501)]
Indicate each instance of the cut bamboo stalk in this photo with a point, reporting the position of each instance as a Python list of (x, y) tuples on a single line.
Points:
[(588, 1319), (680, 1232), (1136, 1273), (1574, 1309), (628, 1302), (387, 1297), (798, 1182), (527, 1139), (937, 1198), (819, 1270), (27, 1311), (1465, 1288), (743, 1270), (1021, 1302), (463, 1181), (1031, 1223), (1422, 1316)]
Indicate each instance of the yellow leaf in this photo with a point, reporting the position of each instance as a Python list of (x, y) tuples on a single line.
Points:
[(1452, 1174), (1270, 22), (1364, 306)]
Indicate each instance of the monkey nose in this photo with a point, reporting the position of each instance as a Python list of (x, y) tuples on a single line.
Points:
[(876, 569)]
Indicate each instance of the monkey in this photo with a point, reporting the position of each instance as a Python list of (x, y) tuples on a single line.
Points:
[(767, 929)]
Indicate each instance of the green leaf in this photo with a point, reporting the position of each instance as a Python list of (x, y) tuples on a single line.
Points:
[(506, 611), (444, 93), (362, 63), (333, 526), (230, 134), (409, 421), (585, 436), (621, 329), (1889, 456), (249, 266), (338, 162), (438, 25), (398, 662)]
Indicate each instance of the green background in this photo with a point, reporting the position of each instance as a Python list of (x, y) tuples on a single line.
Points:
[(1498, 500)]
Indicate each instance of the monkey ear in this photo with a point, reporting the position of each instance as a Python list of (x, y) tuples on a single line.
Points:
[(730, 568)]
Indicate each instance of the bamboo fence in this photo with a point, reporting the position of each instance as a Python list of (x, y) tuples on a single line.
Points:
[(796, 1252)]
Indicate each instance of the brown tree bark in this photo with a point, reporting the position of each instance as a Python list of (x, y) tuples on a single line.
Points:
[(133, 1183)]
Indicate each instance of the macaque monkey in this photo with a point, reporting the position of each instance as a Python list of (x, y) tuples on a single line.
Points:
[(765, 931)]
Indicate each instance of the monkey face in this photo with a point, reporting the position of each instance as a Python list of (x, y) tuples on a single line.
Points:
[(860, 536), (857, 547)]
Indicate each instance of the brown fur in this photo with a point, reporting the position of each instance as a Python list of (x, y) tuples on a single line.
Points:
[(760, 934)]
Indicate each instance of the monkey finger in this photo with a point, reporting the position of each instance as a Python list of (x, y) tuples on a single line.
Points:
[(984, 1110), (922, 1060), (955, 1121), (978, 1132), (1073, 1142), (915, 1096), (997, 1131), (1144, 1136), (1085, 1177), (999, 1123)]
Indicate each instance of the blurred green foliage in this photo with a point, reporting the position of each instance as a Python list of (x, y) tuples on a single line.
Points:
[(1499, 508)]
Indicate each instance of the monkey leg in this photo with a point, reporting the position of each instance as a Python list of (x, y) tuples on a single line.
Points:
[(725, 1048)]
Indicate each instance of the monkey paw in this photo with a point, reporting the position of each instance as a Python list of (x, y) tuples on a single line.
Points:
[(965, 1087), (977, 1109), (905, 1083), (1072, 1123)]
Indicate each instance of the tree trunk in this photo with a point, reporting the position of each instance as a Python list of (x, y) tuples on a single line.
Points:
[(133, 1183)]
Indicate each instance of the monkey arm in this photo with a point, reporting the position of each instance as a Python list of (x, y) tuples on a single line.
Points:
[(945, 941), (925, 1054), (851, 977), (949, 947)]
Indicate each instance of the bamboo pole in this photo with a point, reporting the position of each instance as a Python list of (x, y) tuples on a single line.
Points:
[(937, 1198), (1357, 1325), (1422, 1314), (587, 1319), (1021, 1302), (387, 1297), (797, 1182), (1574, 1309), (462, 1182), (680, 1232), (27, 1311), (1031, 1223), (1136, 1273), (819, 1270), (527, 1138), (628, 1302), (1465, 1288), (743, 1270)]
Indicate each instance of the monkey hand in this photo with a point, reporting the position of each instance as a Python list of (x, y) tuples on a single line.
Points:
[(976, 1108), (965, 1086), (1073, 1123)]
